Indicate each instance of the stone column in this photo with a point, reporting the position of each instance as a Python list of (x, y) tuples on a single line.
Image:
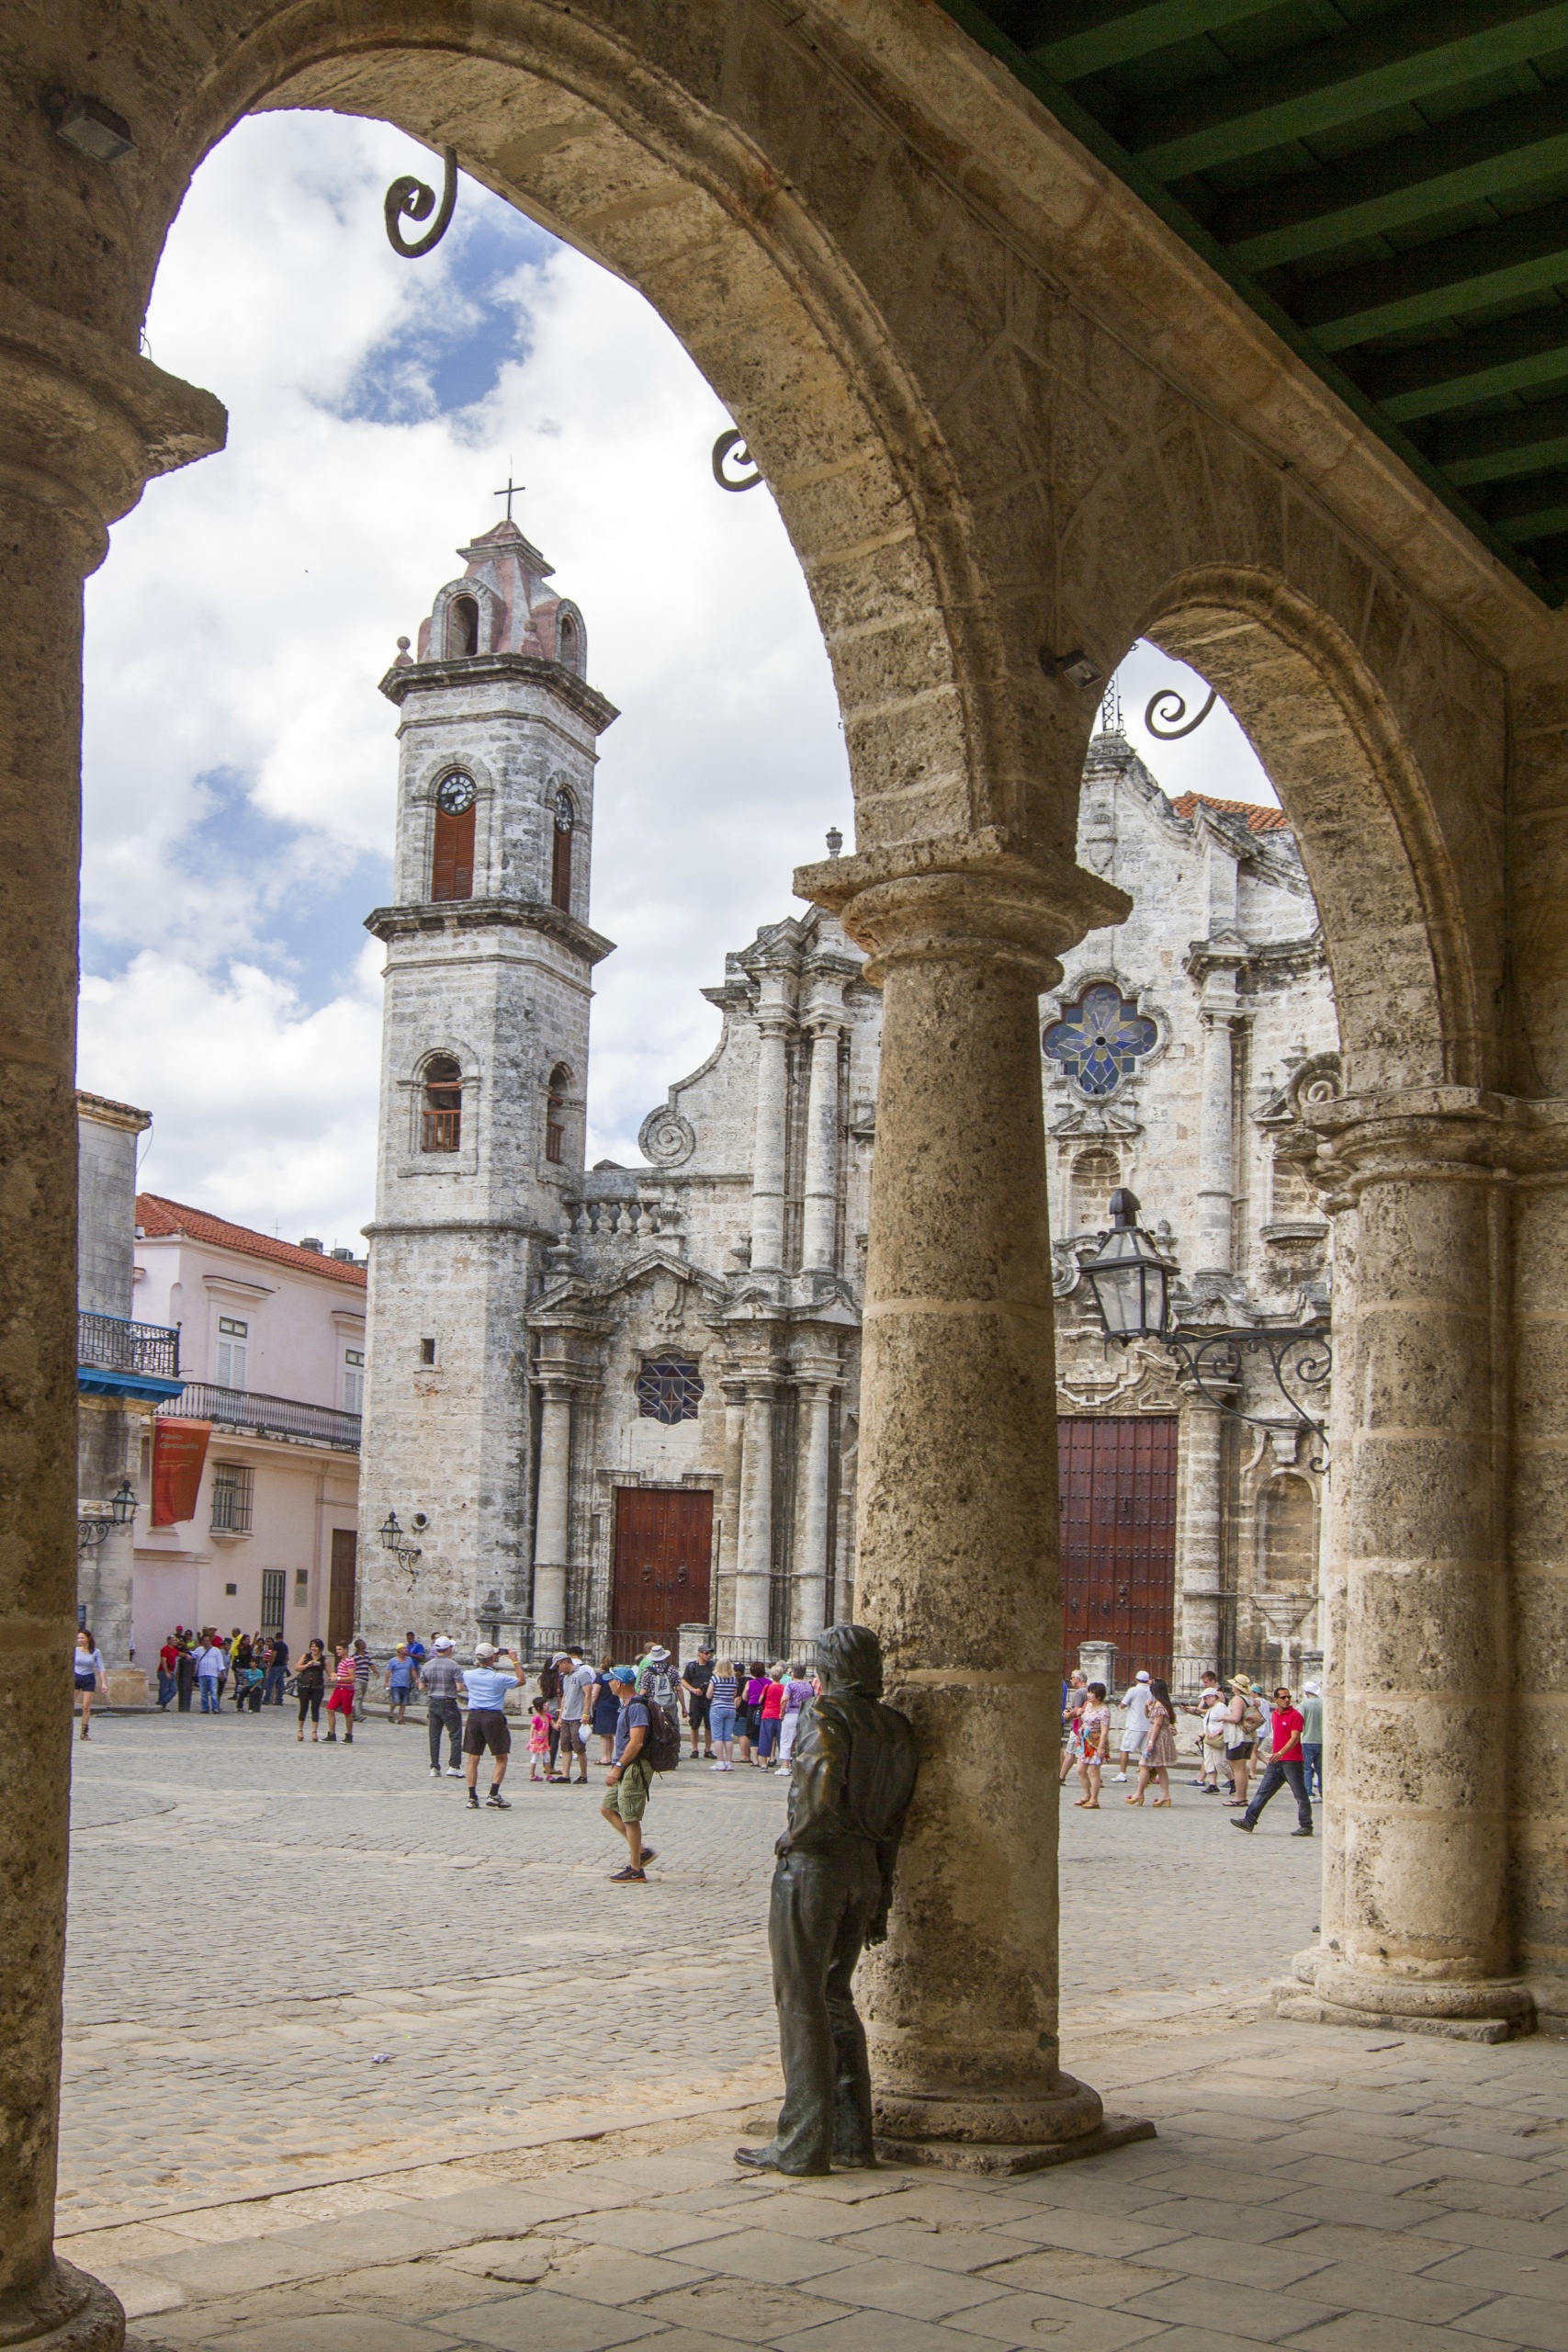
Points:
[(820, 1230), (1216, 1177), (1200, 1565), (729, 1528), (958, 1570), (552, 1526), (813, 1448), (1414, 1919), (754, 1565), (776, 1026), (83, 423)]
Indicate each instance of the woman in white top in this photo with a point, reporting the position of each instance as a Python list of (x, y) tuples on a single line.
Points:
[(87, 1668)]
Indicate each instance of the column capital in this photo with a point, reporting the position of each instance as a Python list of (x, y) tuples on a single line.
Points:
[(85, 424), (1420, 1135), (985, 896)]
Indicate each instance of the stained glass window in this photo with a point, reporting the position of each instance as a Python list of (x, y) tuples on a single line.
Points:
[(668, 1388), (1100, 1040)]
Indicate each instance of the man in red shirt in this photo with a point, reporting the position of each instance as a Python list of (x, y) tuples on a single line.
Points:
[(1285, 1764)]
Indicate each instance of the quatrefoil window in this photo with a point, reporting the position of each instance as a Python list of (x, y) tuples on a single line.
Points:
[(1100, 1040)]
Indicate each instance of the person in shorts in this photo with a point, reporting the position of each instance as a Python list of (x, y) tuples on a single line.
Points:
[(486, 1684), (696, 1679), (577, 1680), (630, 1778)]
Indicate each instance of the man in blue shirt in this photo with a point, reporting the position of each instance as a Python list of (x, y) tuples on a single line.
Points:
[(628, 1782), (486, 1684)]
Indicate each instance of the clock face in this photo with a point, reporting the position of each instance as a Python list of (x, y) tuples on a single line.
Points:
[(457, 793)]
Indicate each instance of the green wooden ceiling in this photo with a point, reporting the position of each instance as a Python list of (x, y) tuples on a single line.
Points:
[(1385, 181)]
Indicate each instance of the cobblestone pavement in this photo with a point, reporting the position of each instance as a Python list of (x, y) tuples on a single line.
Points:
[(290, 1966)]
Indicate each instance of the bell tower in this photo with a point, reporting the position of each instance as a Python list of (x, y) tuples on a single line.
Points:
[(484, 1066)]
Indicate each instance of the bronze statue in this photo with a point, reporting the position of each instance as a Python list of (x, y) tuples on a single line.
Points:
[(853, 1775)]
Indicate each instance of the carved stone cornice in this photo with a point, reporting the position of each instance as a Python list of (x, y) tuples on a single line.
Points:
[(453, 915), (500, 668)]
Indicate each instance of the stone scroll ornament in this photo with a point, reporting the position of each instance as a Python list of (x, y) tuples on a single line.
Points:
[(855, 1762), (666, 1139)]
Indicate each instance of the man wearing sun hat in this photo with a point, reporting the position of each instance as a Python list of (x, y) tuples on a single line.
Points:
[(438, 1680)]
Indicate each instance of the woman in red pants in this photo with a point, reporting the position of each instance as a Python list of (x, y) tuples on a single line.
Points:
[(340, 1699)]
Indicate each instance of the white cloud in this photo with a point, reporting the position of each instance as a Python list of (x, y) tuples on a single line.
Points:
[(239, 762)]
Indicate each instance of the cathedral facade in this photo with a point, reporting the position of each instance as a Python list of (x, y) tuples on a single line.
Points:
[(612, 1403)]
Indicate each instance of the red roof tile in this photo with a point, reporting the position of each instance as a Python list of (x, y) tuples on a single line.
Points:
[(1258, 820), (156, 1216)]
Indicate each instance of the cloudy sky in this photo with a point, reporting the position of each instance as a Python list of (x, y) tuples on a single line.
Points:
[(240, 763)]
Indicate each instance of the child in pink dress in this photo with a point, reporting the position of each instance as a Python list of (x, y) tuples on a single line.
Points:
[(538, 1741)]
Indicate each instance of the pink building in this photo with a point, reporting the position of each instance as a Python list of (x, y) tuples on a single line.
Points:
[(272, 1353)]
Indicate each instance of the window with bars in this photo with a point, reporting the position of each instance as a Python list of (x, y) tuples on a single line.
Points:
[(442, 1127), (555, 1114), (668, 1390), (272, 1600), (233, 1498)]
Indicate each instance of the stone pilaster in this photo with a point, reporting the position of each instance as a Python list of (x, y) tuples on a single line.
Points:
[(552, 1532), (729, 1526), (82, 423), (1415, 1927), (819, 1228), (813, 1449), (775, 1026), (1213, 1248), (958, 1569), (1200, 1562), (754, 1565)]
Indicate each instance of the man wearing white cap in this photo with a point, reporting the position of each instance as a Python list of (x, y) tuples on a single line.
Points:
[(1312, 1739), (1134, 1721), (438, 1679)]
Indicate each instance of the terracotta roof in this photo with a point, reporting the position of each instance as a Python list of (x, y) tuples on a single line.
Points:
[(1258, 820), (157, 1216)]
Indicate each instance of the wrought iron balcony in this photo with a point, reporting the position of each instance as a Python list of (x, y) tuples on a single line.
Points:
[(111, 1343), (277, 1417)]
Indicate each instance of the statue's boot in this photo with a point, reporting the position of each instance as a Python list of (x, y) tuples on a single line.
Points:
[(767, 2160)]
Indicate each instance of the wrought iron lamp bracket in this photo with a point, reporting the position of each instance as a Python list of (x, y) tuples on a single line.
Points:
[(731, 446), (91, 1532), (409, 199), (1303, 1353)]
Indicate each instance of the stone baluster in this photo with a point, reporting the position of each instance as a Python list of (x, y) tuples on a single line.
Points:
[(813, 1454), (1415, 1919), (958, 1569), (775, 1026), (552, 1536), (83, 423), (819, 1226), (754, 1565)]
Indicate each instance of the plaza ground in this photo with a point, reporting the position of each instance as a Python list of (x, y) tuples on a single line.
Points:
[(353, 2069)]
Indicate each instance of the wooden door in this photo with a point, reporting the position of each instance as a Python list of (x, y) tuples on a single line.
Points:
[(341, 1597), (1119, 1537), (663, 1556)]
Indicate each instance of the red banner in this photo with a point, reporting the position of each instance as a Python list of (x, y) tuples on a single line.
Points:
[(179, 1450)]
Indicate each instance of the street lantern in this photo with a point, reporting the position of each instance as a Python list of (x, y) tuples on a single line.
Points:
[(1130, 1280), (122, 1505), (394, 1540)]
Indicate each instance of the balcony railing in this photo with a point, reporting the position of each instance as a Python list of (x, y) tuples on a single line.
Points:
[(282, 1417), (110, 1343)]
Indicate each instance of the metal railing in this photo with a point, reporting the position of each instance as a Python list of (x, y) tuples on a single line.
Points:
[(113, 1343), (284, 1416)]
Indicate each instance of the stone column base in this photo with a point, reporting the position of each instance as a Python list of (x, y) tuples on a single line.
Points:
[(128, 1687), (1327, 1990), (66, 2312), (1002, 2156)]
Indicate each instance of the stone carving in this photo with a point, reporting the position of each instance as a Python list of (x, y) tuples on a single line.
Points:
[(666, 1139), (855, 1762)]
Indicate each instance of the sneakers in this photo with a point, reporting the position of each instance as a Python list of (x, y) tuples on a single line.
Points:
[(628, 1877), (1243, 1824), (1300, 1833), (1119, 1776), (474, 1799), (719, 1767), (435, 1770), (501, 1804), (454, 1771)]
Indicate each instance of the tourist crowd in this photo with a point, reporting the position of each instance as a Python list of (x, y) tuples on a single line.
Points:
[(1243, 1730)]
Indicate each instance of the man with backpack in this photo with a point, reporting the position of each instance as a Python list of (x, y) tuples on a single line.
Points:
[(642, 1732)]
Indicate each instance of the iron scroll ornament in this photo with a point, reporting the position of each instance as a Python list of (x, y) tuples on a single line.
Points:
[(1171, 705), (411, 199), (733, 443), (1301, 1359)]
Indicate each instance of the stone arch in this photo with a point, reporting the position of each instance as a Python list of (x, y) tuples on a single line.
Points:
[(575, 127), (1393, 921)]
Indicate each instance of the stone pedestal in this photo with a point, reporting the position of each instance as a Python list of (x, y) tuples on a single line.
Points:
[(129, 1686), (958, 1567), (1098, 1661)]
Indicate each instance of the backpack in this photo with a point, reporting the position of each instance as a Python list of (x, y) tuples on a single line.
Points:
[(662, 1746)]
